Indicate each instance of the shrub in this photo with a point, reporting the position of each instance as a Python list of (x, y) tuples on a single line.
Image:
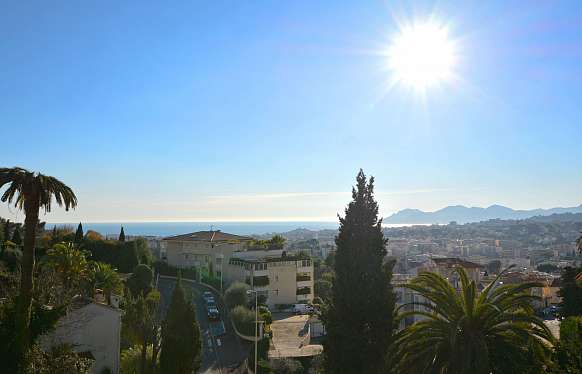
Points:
[(244, 320), (286, 366), (236, 295)]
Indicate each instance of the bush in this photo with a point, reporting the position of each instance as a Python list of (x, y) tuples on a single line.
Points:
[(121, 255), (236, 295), (244, 320), (213, 281), (130, 362), (163, 268), (286, 366)]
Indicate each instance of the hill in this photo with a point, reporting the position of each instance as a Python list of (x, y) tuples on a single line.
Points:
[(462, 214)]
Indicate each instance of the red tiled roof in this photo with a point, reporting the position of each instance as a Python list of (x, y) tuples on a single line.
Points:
[(207, 236)]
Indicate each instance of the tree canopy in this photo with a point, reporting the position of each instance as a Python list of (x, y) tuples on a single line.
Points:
[(181, 345), (463, 331), (359, 319)]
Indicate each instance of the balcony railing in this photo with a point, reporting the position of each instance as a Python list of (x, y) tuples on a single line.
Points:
[(302, 278), (304, 291)]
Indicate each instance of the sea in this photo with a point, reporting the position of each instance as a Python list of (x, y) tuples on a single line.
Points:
[(176, 228)]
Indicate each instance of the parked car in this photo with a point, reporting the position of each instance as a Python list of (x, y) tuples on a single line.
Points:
[(207, 295), (302, 309), (213, 313)]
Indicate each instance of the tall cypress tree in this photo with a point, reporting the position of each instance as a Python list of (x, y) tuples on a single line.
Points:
[(181, 344), (122, 235), (359, 319), (79, 234), (571, 292)]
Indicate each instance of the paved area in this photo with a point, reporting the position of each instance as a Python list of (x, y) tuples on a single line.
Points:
[(291, 337), (554, 326), (223, 350)]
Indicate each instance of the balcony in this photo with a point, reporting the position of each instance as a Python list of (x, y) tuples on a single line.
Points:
[(303, 291), (303, 278)]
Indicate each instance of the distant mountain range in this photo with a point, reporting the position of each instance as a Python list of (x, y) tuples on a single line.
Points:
[(463, 214)]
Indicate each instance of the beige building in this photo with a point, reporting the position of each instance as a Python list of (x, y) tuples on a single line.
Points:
[(91, 328), (202, 249), (280, 277), (446, 267)]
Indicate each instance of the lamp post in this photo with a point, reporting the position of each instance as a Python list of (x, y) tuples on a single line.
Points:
[(221, 257), (256, 324)]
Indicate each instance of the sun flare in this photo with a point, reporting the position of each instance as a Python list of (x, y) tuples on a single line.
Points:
[(422, 55)]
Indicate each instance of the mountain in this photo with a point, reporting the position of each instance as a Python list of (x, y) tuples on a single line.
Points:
[(463, 214)]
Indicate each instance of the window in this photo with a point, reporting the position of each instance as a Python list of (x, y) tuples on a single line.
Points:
[(305, 263)]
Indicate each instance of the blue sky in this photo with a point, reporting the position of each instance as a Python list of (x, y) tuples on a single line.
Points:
[(266, 110)]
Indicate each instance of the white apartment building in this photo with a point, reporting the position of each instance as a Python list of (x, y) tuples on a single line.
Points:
[(281, 277), (202, 250)]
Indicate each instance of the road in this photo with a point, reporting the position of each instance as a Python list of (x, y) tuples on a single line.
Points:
[(220, 353)]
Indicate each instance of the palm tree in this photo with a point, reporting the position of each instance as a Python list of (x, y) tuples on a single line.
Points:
[(30, 192), (103, 276), (466, 332)]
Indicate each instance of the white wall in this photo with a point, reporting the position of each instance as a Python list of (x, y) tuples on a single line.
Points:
[(95, 328)]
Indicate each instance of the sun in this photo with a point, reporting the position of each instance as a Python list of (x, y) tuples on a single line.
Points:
[(422, 55)]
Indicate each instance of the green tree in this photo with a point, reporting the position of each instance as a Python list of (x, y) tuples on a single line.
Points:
[(144, 253), (130, 360), (140, 281), (122, 235), (277, 242), (104, 277), (6, 230), (570, 292), (181, 343), (568, 353), (236, 295), (16, 238), (579, 244), (467, 332), (31, 192), (79, 234), (323, 289), (69, 263), (140, 322), (359, 319)]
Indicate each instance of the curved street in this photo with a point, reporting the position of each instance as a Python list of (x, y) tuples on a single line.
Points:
[(222, 350)]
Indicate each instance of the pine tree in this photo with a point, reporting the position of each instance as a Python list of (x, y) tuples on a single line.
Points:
[(79, 234), (122, 235), (180, 353), (16, 238), (359, 320)]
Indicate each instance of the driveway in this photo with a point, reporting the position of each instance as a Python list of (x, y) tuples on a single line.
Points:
[(291, 337)]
